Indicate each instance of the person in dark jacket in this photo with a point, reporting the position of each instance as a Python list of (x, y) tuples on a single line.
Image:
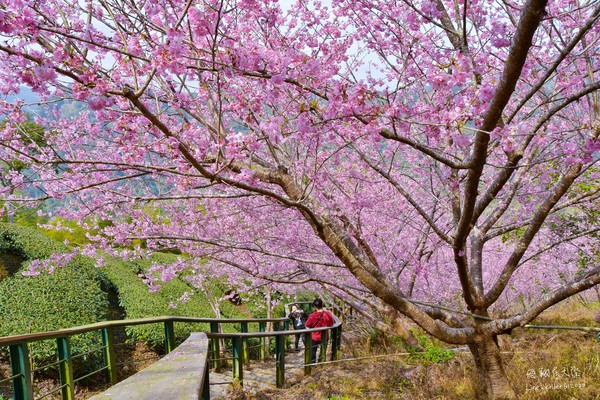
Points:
[(298, 317), (319, 318)]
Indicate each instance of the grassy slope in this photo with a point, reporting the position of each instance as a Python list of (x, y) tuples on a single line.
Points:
[(541, 364)]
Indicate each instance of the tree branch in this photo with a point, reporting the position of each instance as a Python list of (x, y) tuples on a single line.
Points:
[(535, 224), (582, 31)]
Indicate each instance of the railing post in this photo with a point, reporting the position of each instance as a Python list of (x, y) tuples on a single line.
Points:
[(206, 384), (108, 351), (238, 365), (338, 353), (65, 368), (214, 346), (339, 309), (307, 353), (21, 370), (169, 336), (280, 360), (336, 343), (245, 353), (288, 343), (276, 328), (262, 326), (323, 346)]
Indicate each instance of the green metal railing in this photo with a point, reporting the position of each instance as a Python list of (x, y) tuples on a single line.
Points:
[(22, 372)]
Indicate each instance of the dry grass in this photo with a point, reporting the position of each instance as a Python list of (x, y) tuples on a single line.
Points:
[(554, 364), (540, 364)]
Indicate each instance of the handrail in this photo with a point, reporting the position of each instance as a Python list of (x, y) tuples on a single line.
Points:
[(564, 327), (337, 324), (22, 372), (32, 337)]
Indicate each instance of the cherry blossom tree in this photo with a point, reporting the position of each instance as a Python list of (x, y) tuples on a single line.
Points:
[(393, 153)]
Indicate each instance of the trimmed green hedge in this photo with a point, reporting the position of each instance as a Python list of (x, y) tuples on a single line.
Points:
[(139, 302), (50, 301), (77, 294), (28, 242)]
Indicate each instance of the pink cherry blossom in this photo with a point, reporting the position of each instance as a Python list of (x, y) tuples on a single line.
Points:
[(380, 152)]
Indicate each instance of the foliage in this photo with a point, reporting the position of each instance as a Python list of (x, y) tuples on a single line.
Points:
[(28, 242), (384, 151), (30, 133), (66, 231), (256, 302), (55, 301), (52, 301), (174, 298), (431, 351)]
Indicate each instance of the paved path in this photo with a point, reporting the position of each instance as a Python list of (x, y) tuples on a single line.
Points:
[(258, 376)]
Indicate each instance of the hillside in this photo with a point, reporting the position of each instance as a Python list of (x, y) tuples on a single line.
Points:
[(38, 303), (541, 364)]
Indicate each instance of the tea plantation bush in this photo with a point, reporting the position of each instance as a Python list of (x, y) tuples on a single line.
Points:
[(78, 295), (73, 295), (28, 242), (138, 302)]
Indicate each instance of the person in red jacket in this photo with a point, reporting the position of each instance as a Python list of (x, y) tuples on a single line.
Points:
[(317, 319)]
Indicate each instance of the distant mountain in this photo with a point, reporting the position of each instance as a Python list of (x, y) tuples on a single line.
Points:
[(68, 107), (25, 94)]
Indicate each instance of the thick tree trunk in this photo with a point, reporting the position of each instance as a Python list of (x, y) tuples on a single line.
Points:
[(493, 379)]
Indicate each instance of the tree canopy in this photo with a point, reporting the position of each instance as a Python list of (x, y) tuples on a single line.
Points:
[(386, 151)]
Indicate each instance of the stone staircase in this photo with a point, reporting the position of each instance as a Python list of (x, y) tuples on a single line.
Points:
[(258, 376)]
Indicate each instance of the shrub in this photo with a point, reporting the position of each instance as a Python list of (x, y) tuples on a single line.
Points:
[(71, 296), (28, 242), (51, 302), (139, 302)]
